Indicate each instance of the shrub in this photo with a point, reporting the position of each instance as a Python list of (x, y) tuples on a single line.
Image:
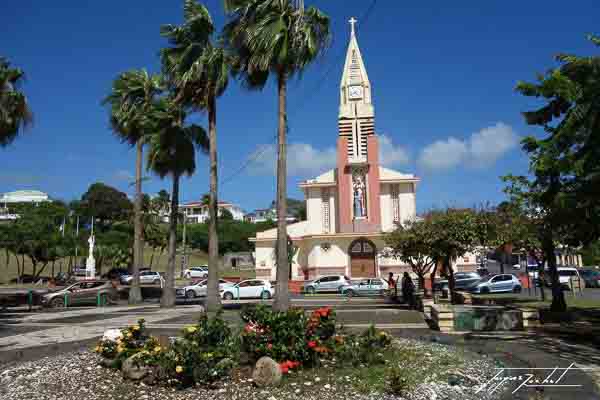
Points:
[(133, 340), (367, 348), (279, 335), (205, 353), (399, 381)]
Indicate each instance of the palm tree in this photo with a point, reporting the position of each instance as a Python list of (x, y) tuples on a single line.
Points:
[(172, 151), (14, 110), (198, 69), (132, 96), (276, 37)]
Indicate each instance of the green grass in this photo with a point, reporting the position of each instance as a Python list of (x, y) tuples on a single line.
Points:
[(159, 264)]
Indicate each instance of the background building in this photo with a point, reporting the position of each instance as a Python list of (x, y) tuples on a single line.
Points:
[(197, 212)]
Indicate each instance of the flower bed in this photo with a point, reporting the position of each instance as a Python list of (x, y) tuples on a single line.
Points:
[(303, 349)]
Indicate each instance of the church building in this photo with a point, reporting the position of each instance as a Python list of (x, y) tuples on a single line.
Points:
[(352, 207)]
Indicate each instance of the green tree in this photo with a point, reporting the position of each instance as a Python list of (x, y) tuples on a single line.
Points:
[(453, 234), (413, 245), (276, 37), (173, 153), (226, 215), (132, 95), (198, 67), (14, 109), (104, 203), (564, 161)]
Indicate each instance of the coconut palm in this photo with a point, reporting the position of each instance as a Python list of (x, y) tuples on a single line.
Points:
[(132, 96), (172, 152), (14, 110), (198, 69), (280, 38)]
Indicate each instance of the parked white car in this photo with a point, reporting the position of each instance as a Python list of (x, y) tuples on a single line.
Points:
[(249, 289), (146, 277), (565, 274), (200, 289), (196, 272)]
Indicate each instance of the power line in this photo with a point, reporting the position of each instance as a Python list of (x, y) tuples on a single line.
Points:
[(259, 153)]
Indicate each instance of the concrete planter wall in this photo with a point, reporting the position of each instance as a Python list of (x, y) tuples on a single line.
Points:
[(449, 318)]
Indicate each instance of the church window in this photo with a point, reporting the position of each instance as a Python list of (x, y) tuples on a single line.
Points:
[(325, 210), (396, 203)]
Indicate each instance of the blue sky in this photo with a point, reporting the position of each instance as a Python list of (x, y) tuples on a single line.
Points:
[(443, 75)]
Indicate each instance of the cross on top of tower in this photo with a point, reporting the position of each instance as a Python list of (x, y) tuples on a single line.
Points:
[(353, 22)]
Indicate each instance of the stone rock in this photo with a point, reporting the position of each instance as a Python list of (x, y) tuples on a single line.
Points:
[(111, 335), (133, 368), (266, 372)]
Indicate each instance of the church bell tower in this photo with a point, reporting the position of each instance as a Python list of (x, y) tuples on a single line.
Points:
[(358, 154)]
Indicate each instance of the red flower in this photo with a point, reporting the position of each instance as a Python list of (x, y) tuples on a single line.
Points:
[(269, 346), (312, 344)]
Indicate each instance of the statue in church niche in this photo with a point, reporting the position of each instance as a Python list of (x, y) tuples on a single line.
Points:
[(360, 194)]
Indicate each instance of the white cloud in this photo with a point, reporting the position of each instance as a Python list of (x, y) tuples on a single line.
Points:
[(481, 149), (389, 154), (302, 160), (306, 161)]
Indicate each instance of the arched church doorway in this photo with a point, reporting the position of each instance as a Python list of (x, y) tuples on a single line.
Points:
[(362, 259)]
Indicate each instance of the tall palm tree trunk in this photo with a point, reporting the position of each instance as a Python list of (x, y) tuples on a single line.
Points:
[(135, 293), (213, 301), (168, 294), (282, 296)]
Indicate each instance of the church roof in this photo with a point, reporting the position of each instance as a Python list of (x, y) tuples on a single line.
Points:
[(386, 175)]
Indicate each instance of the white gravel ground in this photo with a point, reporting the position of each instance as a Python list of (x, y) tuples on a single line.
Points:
[(77, 376)]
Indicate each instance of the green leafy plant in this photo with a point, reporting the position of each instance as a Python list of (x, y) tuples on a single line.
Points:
[(399, 381)]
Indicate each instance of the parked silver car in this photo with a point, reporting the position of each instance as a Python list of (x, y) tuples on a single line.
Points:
[(365, 287), (146, 278), (497, 284), (82, 293), (326, 284), (200, 289)]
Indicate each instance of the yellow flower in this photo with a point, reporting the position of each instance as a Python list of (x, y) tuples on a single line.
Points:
[(129, 334), (191, 329), (157, 349), (120, 349), (98, 349), (179, 369), (135, 328)]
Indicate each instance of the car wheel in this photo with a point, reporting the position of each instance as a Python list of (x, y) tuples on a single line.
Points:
[(485, 290), (228, 296), (156, 281), (349, 293), (190, 294), (310, 290), (266, 295), (517, 289), (57, 302)]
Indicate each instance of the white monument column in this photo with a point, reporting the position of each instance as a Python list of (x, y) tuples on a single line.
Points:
[(90, 263)]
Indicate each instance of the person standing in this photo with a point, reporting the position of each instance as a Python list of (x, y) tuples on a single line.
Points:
[(408, 289), (392, 285)]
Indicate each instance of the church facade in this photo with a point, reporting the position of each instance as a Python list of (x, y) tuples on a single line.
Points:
[(352, 207)]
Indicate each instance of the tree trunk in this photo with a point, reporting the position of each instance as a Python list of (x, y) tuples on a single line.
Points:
[(53, 262), (432, 278), (450, 273), (135, 293), (213, 299), (7, 262), (558, 297), (282, 295), (422, 283), (151, 258), (167, 298)]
